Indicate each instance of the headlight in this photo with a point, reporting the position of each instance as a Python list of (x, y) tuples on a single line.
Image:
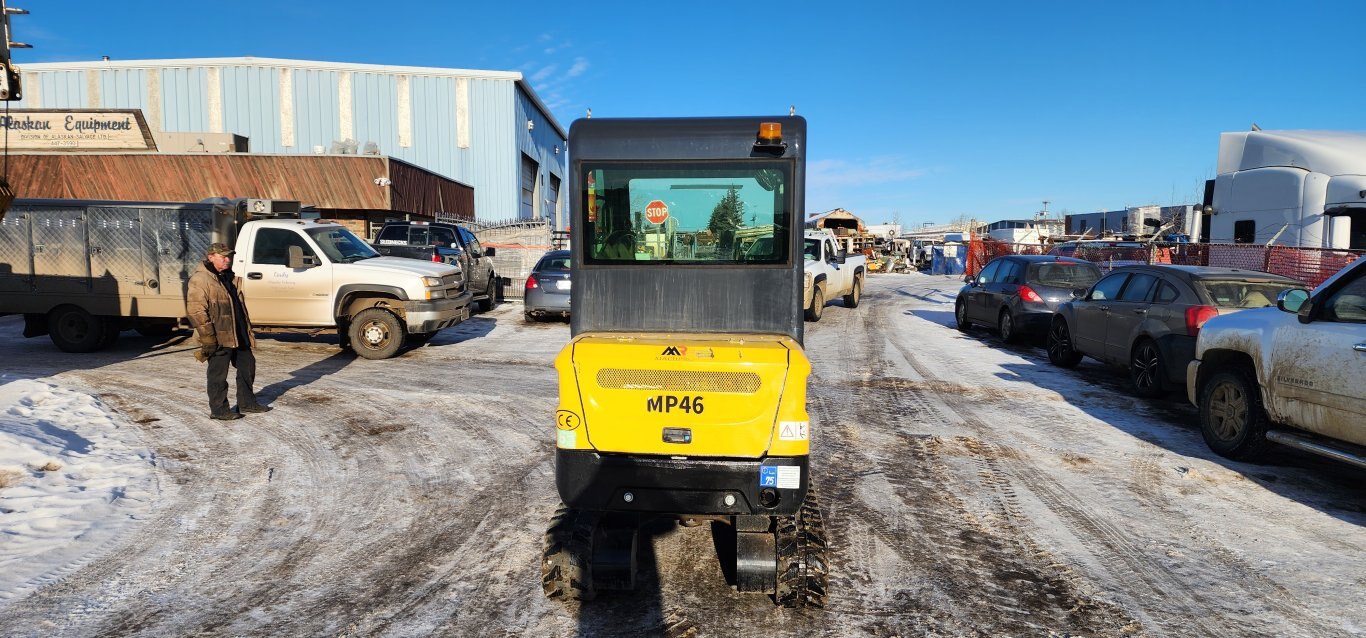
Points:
[(431, 282), (436, 294)]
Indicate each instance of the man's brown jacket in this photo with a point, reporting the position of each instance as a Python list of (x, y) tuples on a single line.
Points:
[(210, 309)]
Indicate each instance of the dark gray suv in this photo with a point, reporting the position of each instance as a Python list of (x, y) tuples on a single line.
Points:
[(1147, 317)]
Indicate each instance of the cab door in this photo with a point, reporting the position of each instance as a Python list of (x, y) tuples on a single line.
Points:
[(278, 295), (1318, 367)]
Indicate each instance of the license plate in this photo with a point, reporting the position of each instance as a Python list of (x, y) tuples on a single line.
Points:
[(562, 285)]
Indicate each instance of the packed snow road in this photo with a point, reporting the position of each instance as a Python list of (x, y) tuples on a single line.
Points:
[(969, 489)]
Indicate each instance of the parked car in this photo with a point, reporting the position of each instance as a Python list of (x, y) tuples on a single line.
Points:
[(1017, 294), (1301, 365), (444, 243), (547, 287), (1148, 317)]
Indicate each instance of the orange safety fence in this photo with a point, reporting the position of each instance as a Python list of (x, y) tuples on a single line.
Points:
[(1310, 265)]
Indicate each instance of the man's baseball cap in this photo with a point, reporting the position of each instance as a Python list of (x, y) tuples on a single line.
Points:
[(219, 248)]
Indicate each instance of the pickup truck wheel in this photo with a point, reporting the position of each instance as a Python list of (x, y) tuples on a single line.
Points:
[(817, 305), (1232, 418), (1006, 326), (960, 316), (491, 290), (74, 330), (1060, 350), (851, 299), (1146, 369), (376, 333)]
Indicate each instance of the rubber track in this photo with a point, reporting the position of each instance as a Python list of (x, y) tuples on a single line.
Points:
[(566, 571), (803, 576)]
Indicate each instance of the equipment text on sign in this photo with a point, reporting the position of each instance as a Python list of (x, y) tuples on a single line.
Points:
[(657, 212)]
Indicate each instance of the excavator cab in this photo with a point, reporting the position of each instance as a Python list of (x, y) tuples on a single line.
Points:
[(683, 387)]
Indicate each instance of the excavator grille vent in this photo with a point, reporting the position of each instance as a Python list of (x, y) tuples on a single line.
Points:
[(679, 380)]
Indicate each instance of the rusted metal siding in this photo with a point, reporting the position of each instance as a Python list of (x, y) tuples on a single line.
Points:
[(326, 181), (416, 190)]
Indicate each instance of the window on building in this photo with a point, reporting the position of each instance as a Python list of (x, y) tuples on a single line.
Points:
[(1245, 232)]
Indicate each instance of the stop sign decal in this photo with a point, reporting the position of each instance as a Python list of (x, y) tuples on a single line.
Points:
[(657, 212)]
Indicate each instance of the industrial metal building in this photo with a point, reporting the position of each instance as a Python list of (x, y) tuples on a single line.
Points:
[(487, 129)]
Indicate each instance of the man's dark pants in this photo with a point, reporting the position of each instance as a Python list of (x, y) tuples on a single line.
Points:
[(245, 362)]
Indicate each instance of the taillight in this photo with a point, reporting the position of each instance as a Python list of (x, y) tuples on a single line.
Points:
[(531, 282), (1196, 316), (1028, 294), (436, 257)]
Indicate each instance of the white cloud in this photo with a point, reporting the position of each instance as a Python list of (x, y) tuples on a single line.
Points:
[(544, 74), (580, 66)]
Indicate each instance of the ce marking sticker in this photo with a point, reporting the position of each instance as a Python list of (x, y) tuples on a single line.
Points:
[(566, 420)]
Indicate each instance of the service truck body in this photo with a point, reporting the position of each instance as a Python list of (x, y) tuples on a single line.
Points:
[(82, 271)]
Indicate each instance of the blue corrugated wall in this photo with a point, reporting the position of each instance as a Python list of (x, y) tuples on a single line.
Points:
[(251, 97)]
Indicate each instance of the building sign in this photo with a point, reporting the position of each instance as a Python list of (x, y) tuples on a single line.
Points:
[(76, 130)]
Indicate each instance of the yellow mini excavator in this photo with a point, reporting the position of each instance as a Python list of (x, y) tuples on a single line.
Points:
[(683, 388)]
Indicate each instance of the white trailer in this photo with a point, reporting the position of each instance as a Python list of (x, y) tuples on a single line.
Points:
[(1290, 188)]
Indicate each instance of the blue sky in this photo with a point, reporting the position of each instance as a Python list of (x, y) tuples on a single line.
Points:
[(918, 111)]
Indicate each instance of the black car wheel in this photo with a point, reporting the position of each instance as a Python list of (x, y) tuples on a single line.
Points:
[(1146, 369), (851, 299), (1060, 350), (490, 289), (1006, 326), (1232, 419), (376, 333), (72, 329), (960, 316), (817, 305)]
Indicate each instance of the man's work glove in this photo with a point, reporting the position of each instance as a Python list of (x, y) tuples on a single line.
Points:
[(205, 351)]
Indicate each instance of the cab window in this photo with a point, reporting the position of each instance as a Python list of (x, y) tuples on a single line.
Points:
[(471, 242), (686, 212), (1108, 288), (1348, 304), (272, 246)]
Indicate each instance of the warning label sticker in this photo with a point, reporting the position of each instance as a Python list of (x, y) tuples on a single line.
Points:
[(794, 430)]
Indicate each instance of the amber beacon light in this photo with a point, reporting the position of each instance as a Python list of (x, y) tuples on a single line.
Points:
[(770, 132)]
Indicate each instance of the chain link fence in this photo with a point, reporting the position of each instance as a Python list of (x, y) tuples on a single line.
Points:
[(1310, 265), (518, 244)]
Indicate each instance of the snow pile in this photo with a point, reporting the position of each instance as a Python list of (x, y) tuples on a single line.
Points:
[(71, 478)]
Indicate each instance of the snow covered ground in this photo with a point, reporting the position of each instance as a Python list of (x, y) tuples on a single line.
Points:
[(969, 487), (73, 476)]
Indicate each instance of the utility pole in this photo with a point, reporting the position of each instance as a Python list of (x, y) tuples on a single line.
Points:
[(9, 76)]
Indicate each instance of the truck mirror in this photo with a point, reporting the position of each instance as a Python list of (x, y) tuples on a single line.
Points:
[(1292, 300), (488, 251), (840, 256), (298, 260)]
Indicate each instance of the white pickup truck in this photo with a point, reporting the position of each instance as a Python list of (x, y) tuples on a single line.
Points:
[(1301, 365), (830, 273), (83, 271)]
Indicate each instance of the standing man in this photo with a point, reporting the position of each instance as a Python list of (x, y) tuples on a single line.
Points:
[(219, 315)]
